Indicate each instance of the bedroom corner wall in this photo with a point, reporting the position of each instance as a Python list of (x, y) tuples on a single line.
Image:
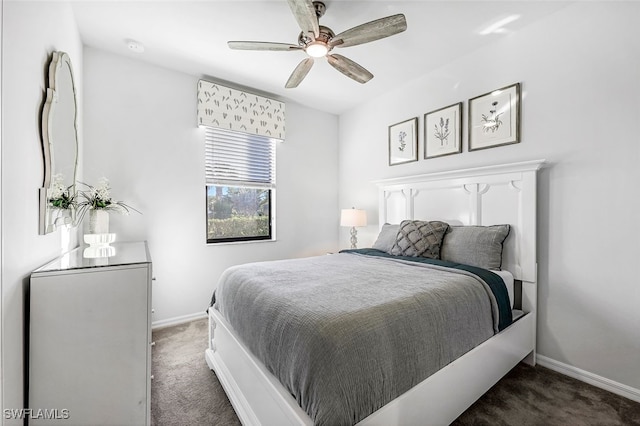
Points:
[(141, 133), (580, 110), (31, 31)]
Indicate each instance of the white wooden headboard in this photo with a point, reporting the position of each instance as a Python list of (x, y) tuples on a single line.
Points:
[(491, 195)]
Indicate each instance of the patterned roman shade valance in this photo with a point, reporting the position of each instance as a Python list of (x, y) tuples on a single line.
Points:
[(231, 109)]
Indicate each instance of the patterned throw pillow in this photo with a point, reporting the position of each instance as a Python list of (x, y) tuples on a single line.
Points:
[(419, 238)]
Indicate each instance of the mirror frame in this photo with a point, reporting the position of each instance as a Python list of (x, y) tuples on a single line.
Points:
[(51, 218)]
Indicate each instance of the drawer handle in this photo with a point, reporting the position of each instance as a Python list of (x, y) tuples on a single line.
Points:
[(153, 343)]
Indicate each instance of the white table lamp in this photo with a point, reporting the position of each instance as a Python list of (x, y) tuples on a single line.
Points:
[(353, 217)]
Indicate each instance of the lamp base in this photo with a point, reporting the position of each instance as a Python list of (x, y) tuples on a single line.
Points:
[(354, 237)]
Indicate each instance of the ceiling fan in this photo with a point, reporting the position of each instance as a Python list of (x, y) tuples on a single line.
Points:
[(317, 41)]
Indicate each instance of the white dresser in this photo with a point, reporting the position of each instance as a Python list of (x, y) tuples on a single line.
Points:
[(90, 339)]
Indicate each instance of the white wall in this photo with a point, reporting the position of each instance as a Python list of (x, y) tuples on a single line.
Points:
[(140, 128), (31, 31), (580, 111)]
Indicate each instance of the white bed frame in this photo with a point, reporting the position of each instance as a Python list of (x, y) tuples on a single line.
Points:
[(479, 196)]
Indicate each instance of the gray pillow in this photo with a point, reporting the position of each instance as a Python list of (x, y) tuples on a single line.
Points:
[(387, 237), (419, 238), (479, 246)]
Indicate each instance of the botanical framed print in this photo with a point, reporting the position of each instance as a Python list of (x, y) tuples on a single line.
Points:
[(403, 142), (443, 131), (494, 118)]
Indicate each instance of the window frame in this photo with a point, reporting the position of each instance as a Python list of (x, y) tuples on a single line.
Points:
[(212, 181), (235, 240)]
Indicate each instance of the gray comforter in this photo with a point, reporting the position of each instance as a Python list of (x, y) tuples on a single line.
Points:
[(347, 333)]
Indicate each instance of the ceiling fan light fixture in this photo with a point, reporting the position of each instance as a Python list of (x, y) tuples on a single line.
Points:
[(317, 49), (317, 41)]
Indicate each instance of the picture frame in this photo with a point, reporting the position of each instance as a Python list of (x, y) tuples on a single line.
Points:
[(443, 131), (403, 142), (494, 118)]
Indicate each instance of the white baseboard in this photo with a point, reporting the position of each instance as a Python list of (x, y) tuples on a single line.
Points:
[(155, 325), (590, 378)]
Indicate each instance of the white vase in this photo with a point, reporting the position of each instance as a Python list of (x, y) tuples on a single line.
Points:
[(98, 221)]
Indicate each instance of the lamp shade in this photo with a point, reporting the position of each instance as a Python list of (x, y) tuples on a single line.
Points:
[(353, 217)]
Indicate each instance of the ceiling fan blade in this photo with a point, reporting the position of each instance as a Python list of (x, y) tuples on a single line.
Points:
[(349, 68), (262, 45), (299, 73), (374, 30), (305, 14)]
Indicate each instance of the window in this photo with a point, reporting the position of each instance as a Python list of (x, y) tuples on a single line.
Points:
[(240, 186)]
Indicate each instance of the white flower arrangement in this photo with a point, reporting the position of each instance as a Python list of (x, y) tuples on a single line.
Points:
[(59, 195), (99, 198)]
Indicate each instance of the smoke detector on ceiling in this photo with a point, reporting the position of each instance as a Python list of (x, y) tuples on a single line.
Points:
[(135, 46)]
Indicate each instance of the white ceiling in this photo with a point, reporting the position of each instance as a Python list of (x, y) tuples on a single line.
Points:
[(191, 36)]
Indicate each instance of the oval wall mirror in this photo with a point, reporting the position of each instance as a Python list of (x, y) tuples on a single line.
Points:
[(60, 146)]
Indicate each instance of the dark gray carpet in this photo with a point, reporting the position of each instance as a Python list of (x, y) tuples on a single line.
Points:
[(539, 396), (185, 392)]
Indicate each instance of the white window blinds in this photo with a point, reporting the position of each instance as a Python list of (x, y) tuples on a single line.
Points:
[(233, 158)]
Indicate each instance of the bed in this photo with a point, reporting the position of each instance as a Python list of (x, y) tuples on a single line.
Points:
[(270, 377)]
